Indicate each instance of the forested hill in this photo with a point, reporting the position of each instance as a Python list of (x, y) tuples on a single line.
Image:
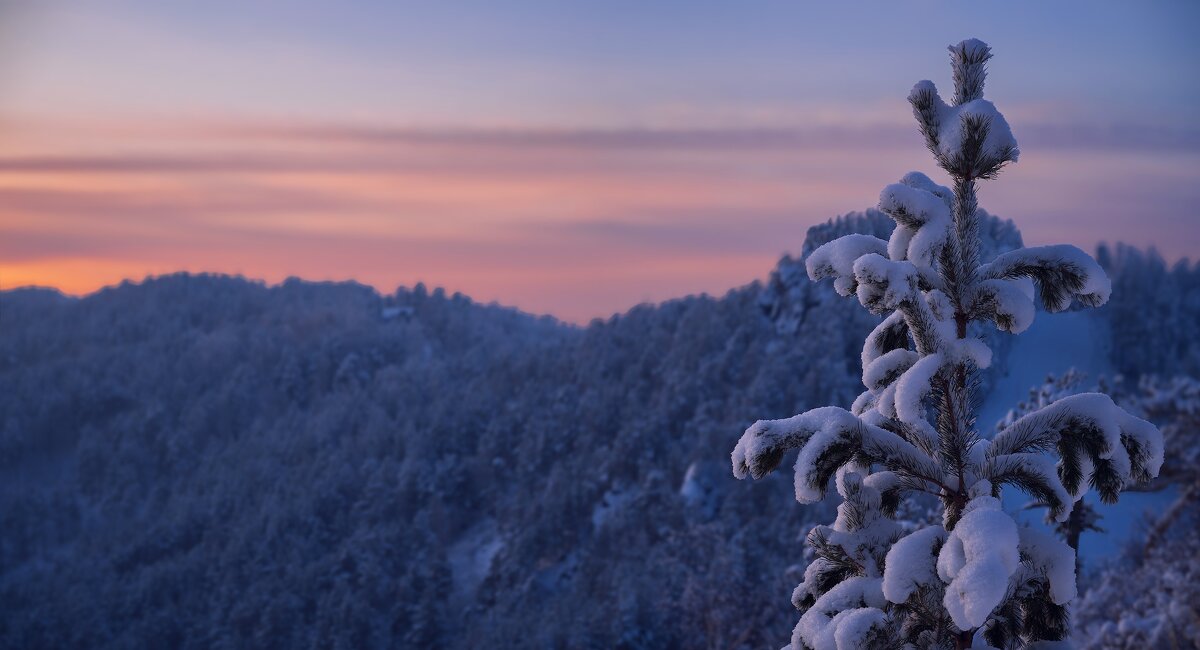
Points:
[(203, 461)]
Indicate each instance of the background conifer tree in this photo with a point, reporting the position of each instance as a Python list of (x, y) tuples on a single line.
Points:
[(976, 580)]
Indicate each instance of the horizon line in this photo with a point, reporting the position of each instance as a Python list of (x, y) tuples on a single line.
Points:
[(431, 287)]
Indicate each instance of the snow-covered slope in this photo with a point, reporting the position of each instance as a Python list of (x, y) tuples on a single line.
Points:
[(1051, 345)]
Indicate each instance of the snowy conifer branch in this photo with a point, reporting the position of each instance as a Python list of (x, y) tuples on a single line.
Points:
[(969, 60), (836, 260), (1063, 273), (766, 441), (1007, 303), (890, 334), (928, 108), (1097, 440), (977, 577), (1035, 475)]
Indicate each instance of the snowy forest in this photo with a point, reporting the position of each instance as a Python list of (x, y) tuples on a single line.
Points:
[(203, 461), (206, 461)]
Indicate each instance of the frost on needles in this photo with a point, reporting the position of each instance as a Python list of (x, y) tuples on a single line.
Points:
[(977, 580)]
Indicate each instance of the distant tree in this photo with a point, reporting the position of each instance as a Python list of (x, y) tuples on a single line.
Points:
[(1153, 305), (977, 579)]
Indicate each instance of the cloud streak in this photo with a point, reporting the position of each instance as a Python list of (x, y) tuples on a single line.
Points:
[(297, 147), (575, 222)]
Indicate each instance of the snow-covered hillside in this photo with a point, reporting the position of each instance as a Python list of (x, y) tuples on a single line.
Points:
[(203, 462)]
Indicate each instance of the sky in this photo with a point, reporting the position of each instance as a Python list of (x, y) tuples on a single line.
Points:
[(565, 158)]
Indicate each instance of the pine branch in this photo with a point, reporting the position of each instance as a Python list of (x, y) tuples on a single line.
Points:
[(1062, 273), (1034, 475), (926, 108), (890, 334), (969, 62)]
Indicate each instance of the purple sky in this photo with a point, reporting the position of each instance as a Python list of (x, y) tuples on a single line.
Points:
[(567, 160)]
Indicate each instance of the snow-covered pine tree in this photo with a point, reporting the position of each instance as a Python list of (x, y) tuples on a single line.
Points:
[(977, 580)]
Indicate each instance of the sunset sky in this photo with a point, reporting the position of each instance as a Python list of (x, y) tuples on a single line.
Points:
[(565, 158)]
